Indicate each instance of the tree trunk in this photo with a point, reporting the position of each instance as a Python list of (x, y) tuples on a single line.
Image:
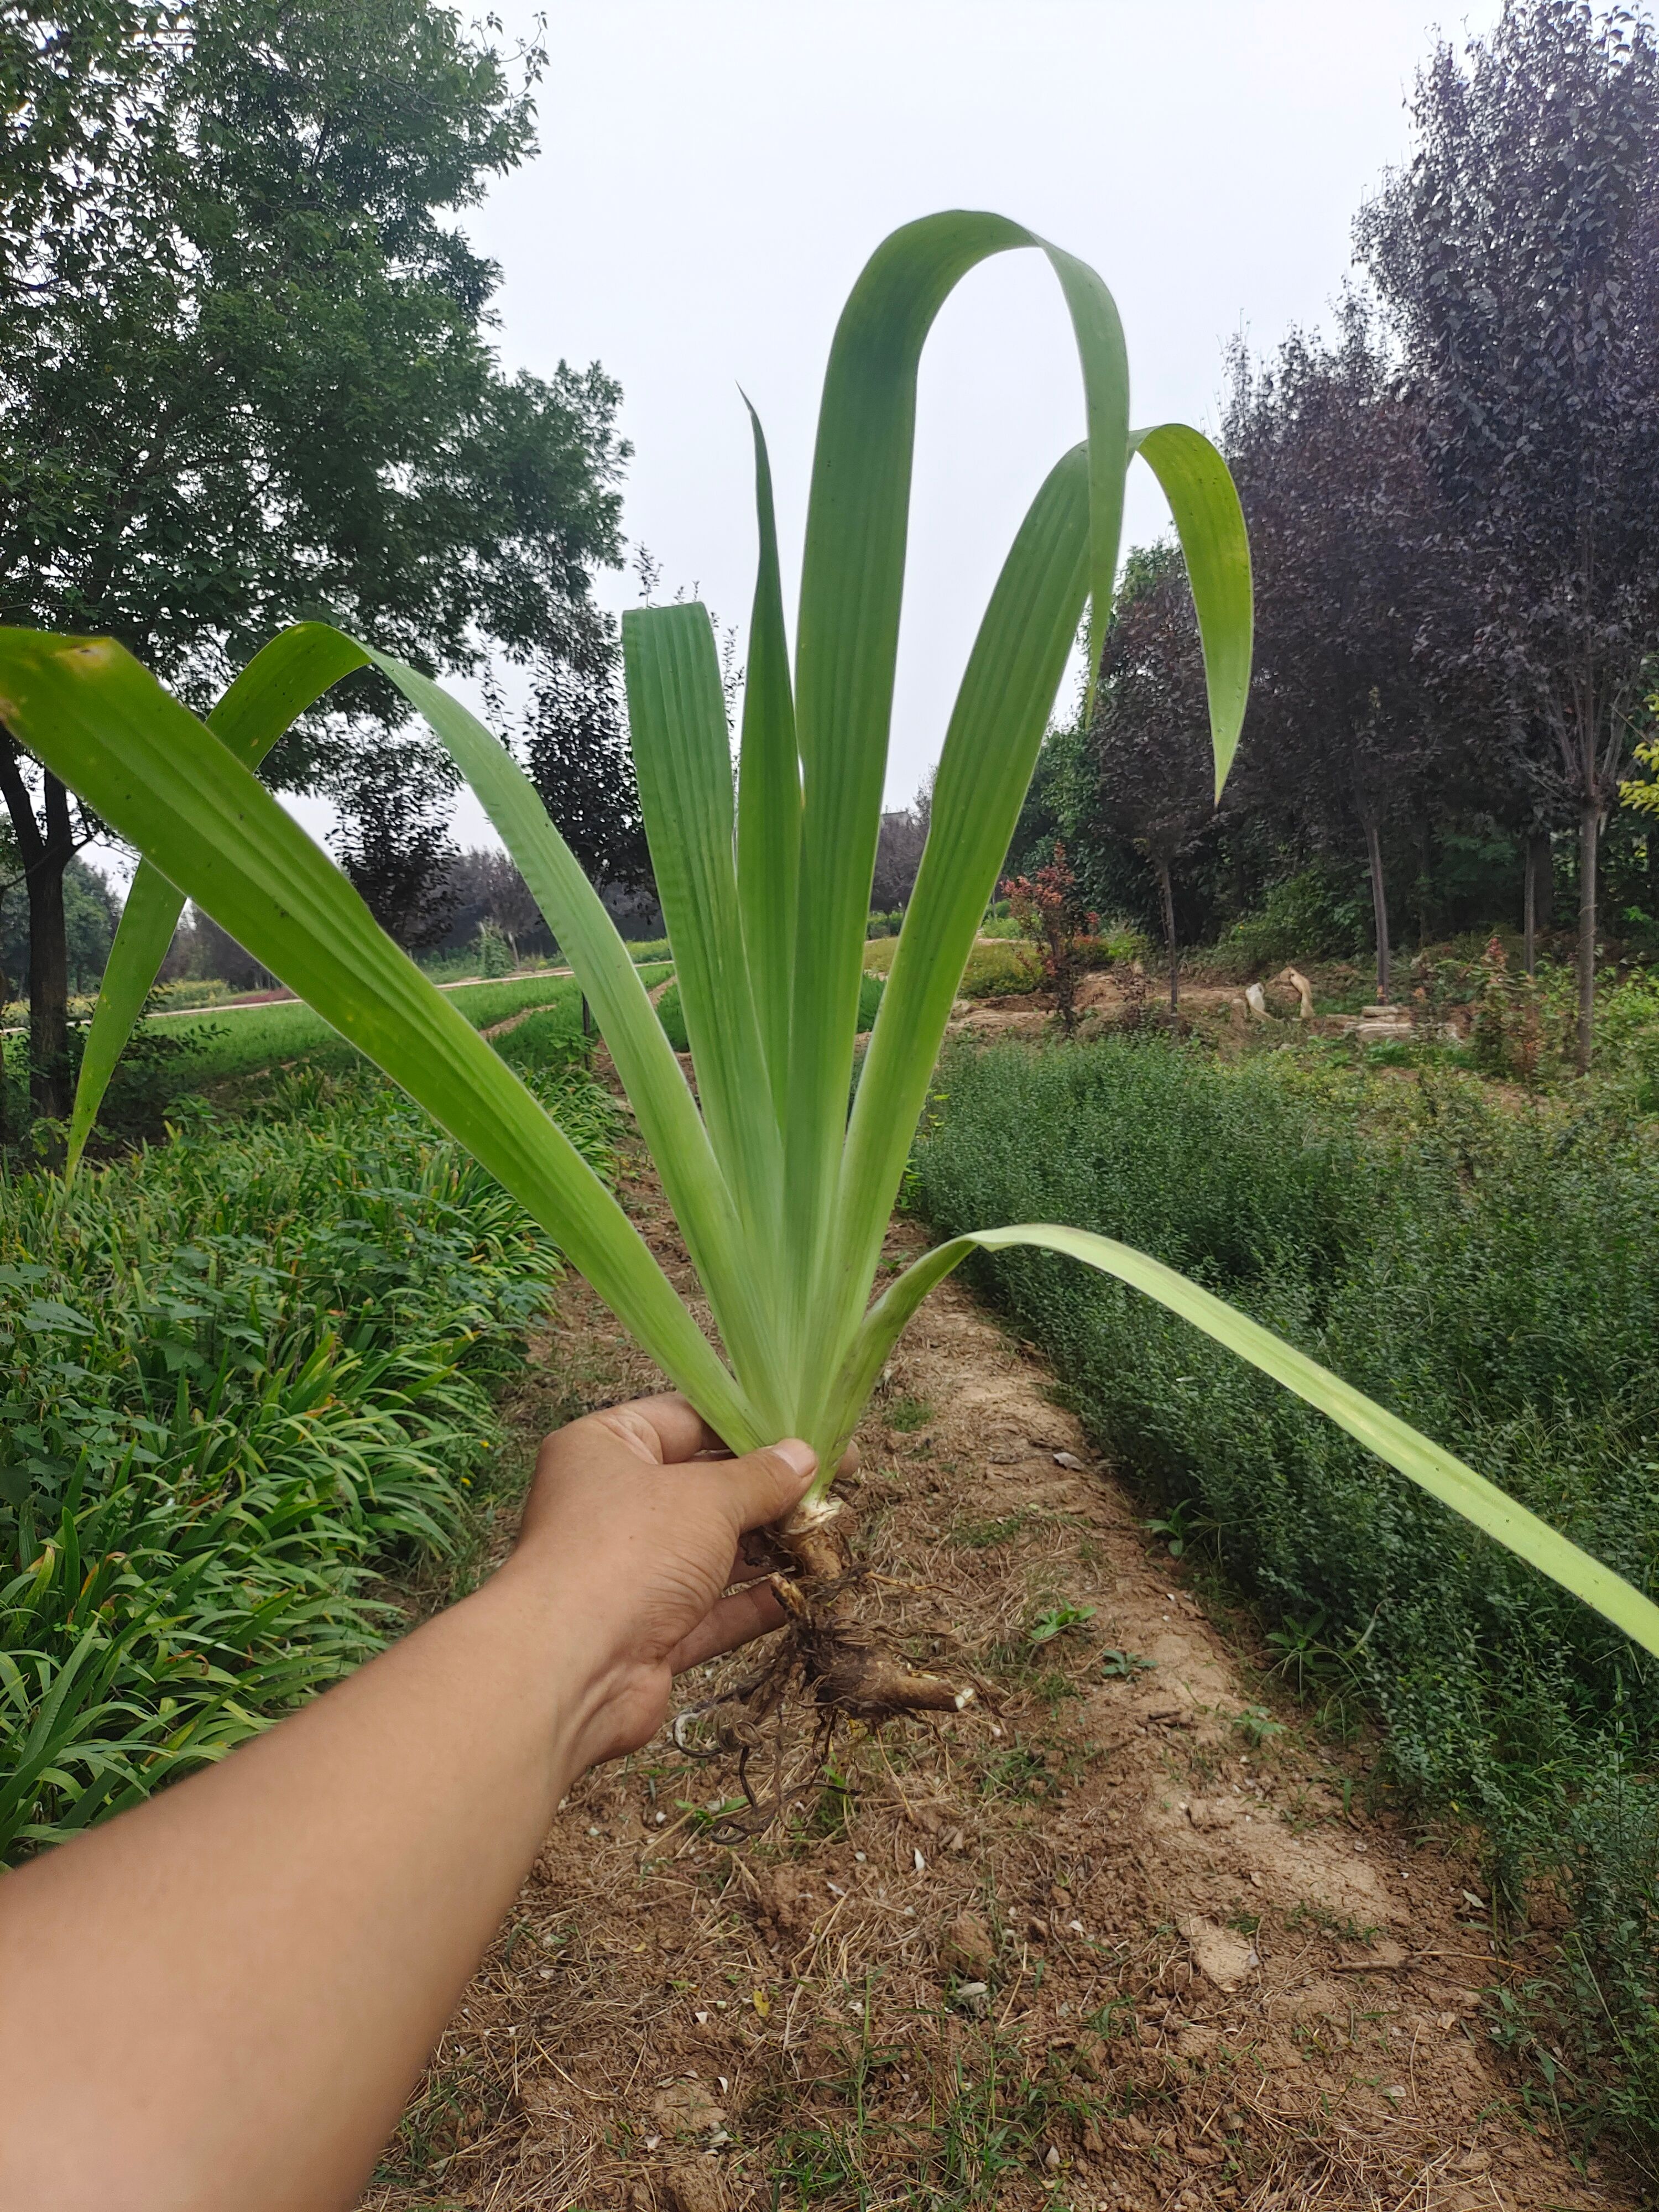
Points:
[(1166, 892), (45, 854), (5, 1100), (1529, 906), (1540, 892), (1544, 878), (48, 1083), (1589, 838), (1379, 908)]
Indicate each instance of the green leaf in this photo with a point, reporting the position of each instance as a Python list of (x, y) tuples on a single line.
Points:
[(164, 782), (681, 749), (852, 584), (1425, 1463), (769, 797), (1210, 523), (52, 1315), (668, 1117), (282, 679), (991, 747)]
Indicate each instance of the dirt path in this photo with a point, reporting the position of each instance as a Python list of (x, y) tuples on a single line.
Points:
[(1112, 1940)]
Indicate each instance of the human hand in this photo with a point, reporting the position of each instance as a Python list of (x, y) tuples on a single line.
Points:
[(638, 1536)]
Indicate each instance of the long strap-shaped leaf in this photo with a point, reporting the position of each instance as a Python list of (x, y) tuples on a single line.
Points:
[(282, 680), (681, 751), (1017, 661), (289, 674), (1210, 523), (1434, 1469), (990, 751), (852, 584), (668, 1121), (769, 796), (164, 782)]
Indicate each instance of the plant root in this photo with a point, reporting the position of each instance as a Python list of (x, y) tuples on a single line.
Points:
[(848, 1670), (847, 1666)]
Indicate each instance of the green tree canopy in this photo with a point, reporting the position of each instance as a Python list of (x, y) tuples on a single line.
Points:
[(1517, 257), (245, 368)]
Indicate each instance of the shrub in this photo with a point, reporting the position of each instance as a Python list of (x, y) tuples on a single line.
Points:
[(1315, 915), (494, 953), (1118, 943), (1492, 1275), (1060, 929), (999, 971), (1627, 1036)]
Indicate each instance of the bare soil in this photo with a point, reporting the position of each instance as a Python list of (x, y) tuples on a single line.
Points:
[(1124, 1935)]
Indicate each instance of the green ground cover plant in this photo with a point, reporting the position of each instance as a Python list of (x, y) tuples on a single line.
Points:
[(246, 1372), (1488, 1269), (994, 969)]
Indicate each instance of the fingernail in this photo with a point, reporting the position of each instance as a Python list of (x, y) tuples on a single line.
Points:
[(798, 1458)]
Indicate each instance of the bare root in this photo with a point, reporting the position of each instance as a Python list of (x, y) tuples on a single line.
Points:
[(847, 1669)]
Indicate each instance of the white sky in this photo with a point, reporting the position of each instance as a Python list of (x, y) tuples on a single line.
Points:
[(714, 174)]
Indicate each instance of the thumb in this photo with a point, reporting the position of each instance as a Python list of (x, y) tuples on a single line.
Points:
[(765, 1485)]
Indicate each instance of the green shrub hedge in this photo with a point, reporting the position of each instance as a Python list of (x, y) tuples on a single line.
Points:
[(1492, 1275)]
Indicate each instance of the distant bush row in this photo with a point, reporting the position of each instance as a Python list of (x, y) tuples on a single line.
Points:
[(1003, 965)]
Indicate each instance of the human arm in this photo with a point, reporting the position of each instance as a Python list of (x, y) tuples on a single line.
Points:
[(223, 1997)]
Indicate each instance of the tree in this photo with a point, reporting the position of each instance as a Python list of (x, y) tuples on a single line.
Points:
[(506, 900), (394, 844), (1154, 768), (245, 373), (202, 951), (1327, 454), (574, 738), (900, 844), (486, 890), (91, 911), (1518, 254)]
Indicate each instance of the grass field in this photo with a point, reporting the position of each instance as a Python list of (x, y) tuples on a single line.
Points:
[(238, 1041)]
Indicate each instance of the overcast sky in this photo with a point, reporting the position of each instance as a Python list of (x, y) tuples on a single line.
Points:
[(713, 174)]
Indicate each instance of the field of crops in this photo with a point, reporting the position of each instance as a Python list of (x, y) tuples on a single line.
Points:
[(248, 1372), (229, 1042), (254, 1372)]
